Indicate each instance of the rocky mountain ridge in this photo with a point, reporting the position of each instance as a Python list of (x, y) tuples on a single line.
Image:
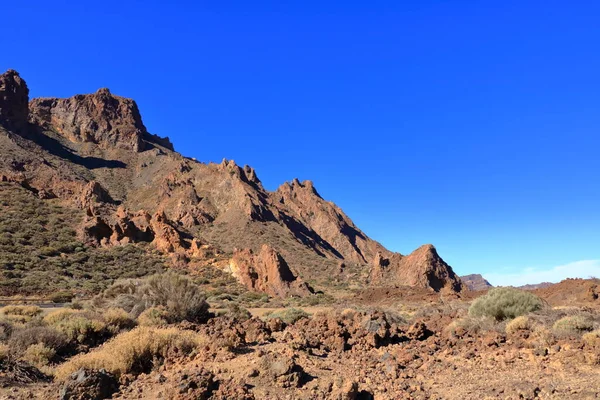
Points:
[(94, 153)]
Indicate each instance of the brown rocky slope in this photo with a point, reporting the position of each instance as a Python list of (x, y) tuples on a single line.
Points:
[(94, 153)]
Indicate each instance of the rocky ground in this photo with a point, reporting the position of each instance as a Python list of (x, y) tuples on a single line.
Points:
[(420, 350)]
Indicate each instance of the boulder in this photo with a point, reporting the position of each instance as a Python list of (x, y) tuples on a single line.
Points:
[(89, 385)]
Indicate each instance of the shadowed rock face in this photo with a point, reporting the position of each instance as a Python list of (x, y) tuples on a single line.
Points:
[(14, 100), (94, 153), (267, 272), (421, 268)]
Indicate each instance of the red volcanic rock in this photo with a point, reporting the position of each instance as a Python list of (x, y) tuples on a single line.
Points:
[(14, 101), (101, 118), (422, 268), (334, 230), (123, 227), (267, 272), (475, 282)]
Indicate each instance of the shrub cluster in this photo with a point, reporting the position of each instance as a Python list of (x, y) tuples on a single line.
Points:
[(505, 303), (574, 324), (176, 296), (134, 352)]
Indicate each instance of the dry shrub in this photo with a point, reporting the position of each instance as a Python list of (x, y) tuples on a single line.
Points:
[(542, 336), (4, 352), (238, 312), (22, 339), (289, 315), (592, 339), (470, 325), (117, 320), (6, 329), (26, 311), (134, 352), (574, 324), (153, 316), (518, 324), (39, 355), (505, 303), (79, 326)]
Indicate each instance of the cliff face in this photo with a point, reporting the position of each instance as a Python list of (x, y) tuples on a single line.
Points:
[(94, 153)]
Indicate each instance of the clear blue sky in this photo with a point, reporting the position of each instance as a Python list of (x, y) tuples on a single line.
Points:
[(467, 124)]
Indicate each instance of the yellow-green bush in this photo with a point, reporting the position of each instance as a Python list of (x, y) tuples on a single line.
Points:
[(521, 323), (573, 324), (117, 320), (134, 352), (153, 316), (27, 311), (20, 314), (39, 355), (79, 326), (505, 303)]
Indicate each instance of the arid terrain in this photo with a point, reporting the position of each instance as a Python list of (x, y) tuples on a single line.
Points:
[(177, 279)]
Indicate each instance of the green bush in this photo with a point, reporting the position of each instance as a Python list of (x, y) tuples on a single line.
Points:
[(505, 303), (180, 298), (39, 355), (574, 324), (289, 315), (80, 327), (62, 297), (153, 316)]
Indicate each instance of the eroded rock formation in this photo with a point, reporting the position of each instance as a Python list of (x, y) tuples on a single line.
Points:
[(14, 100), (94, 153), (101, 118), (267, 272), (421, 268)]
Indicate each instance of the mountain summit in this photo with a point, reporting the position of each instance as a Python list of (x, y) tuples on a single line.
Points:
[(93, 153)]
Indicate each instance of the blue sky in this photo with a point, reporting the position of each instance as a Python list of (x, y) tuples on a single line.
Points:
[(470, 125)]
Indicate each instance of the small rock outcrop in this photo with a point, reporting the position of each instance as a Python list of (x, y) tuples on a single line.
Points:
[(89, 385), (422, 268), (267, 272), (101, 118), (14, 101), (475, 282)]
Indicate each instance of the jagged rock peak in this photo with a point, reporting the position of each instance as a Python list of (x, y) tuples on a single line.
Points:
[(296, 185), (422, 268), (14, 101), (101, 118)]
